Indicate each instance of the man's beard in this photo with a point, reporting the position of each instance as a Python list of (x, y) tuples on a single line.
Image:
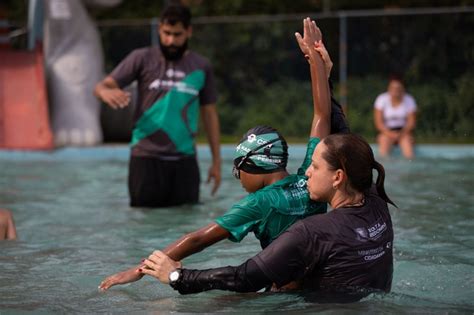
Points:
[(173, 52)]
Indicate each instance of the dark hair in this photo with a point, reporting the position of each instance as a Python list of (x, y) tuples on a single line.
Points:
[(353, 154), (176, 13), (396, 77)]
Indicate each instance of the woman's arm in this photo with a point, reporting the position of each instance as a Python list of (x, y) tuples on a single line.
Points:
[(378, 121), (410, 124)]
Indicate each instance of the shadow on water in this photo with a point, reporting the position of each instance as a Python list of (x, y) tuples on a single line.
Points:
[(75, 228)]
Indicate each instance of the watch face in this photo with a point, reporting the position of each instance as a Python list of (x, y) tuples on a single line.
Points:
[(174, 275)]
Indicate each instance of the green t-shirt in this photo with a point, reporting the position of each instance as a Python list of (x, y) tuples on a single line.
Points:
[(271, 210)]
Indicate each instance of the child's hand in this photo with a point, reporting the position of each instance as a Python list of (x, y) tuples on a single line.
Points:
[(127, 276), (319, 47), (311, 34)]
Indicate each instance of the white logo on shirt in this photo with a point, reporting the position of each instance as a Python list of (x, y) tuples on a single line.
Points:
[(155, 85), (168, 84), (171, 73), (301, 183)]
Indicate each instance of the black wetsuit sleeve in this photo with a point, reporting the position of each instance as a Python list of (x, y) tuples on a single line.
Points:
[(247, 277)]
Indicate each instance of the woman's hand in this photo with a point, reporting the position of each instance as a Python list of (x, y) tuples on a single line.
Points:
[(159, 265), (311, 35)]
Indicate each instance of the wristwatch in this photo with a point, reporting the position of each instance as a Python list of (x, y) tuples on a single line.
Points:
[(174, 276)]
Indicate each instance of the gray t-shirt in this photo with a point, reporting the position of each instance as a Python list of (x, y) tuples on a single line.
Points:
[(169, 95)]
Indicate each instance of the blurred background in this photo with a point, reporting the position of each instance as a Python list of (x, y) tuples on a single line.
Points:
[(262, 78)]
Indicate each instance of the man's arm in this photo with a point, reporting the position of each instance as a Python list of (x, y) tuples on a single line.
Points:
[(210, 120), (110, 93)]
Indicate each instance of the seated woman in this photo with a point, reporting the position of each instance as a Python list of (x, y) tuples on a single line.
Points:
[(276, 200), (346, 250), (395, 119), (7, 225)]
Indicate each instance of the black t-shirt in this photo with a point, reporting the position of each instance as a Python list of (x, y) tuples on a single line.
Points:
[(174, 120), (347, 247)]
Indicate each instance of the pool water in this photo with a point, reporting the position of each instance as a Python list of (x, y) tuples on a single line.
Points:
[(75, 227)]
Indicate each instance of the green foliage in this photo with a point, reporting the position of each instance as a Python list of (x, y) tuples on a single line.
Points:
[(360, 103), (461, 107), (285, 105)]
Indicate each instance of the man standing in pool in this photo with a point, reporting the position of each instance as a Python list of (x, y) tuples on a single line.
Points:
[(175, 86), (276, 198)]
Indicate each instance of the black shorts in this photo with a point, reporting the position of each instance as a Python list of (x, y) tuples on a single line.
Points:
[(160, 183)]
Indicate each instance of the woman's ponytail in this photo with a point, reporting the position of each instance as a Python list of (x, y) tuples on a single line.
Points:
[(380, 182)]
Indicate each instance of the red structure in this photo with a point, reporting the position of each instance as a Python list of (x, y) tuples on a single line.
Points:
[(24, 118)]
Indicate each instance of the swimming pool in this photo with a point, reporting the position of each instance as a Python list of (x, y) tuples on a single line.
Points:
[(75, 227)]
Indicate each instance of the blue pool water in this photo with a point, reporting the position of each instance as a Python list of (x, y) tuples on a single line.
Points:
[(75, 227)]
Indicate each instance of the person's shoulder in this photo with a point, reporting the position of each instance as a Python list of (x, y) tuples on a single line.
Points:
[(319, 224), (373, 198), (409, 100), (198, 58), (253, 200), (381, 99), (263, 195)]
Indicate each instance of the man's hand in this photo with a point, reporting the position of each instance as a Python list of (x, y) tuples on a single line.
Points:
[(311, 35), (115, 98), (110, 93), (127, 276), (159, 265), (214, 174)]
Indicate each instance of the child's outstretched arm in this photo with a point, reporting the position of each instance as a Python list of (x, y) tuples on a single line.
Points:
[(185, 246), (312, 48)]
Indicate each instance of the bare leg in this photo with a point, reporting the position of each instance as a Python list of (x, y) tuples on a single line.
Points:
[(385, 144), (7, 226), (406, 145)]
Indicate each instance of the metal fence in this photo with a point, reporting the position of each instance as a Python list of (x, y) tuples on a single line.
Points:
[(254, 56)]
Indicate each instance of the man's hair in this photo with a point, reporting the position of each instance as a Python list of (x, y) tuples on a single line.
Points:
[(176, 13)]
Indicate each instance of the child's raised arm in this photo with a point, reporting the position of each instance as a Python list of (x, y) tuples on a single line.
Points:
[(311, 46)]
